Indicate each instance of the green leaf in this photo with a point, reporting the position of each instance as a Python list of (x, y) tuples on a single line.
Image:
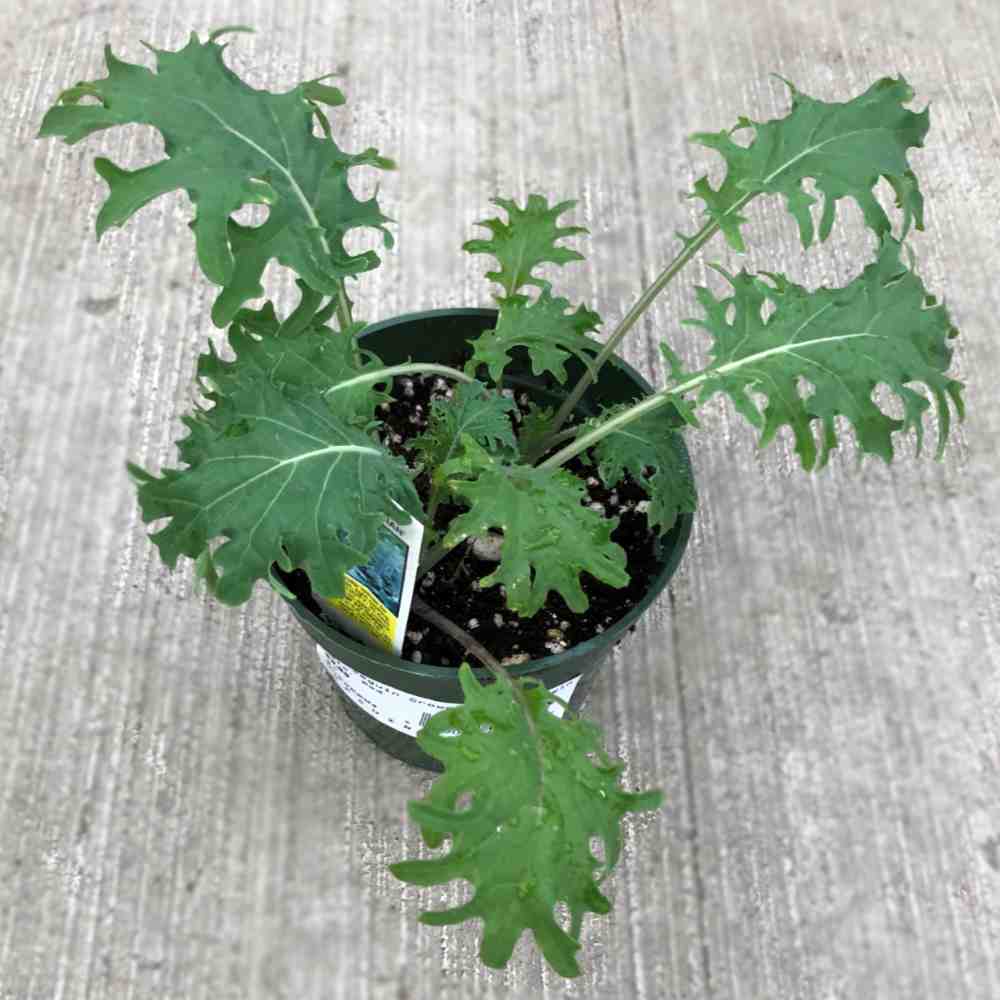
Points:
[(550, 537), (844, 147), (219, 32), (673, 362), (544, 328), (470, 459), (676, 375), (881, 328), (204, 572), (314, 361), (524, 841), (282, 480), (481, 413), (535, 425), (228, 145), (279, 587), (653, 453), (323, 92), (305, 313), (526, 240)]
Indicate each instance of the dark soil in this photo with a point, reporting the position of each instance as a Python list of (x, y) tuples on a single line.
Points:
[(452, 587)]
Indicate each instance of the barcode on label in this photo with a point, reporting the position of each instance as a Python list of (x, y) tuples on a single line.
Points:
[(423, 719)]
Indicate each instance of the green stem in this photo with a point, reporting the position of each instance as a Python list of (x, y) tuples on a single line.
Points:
[(664, 396), (433, 501), (389, 372), (585, 441), (431, 558), (566, 434), (446, 625), (492, 664), (691, 247), (344, 317)]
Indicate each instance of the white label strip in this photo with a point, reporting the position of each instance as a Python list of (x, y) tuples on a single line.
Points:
[(401, 710)]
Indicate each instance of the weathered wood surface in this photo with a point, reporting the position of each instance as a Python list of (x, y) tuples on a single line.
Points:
[(186, 811)]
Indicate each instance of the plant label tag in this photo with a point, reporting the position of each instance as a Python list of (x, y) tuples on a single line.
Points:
[(407, 713), (375, 606)]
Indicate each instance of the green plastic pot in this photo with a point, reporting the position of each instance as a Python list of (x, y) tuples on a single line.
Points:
[(389, 698)]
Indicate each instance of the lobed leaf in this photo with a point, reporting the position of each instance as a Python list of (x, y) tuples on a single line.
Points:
[(534, 429), (653, 453), (845, 147), (550, 537), (881, 328), (282, 479), (524, 842), (228, 145), (526, 240), (475, 410), (315, 360), (544, 328)]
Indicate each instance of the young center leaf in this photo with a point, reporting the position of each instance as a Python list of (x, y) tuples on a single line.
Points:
[(550, 537), (228, 145), (653, 453), (281, 479), (480, 412), (527, 239), (881, 328), (844, 147), (535, 427), (544, 327), (524, 842)]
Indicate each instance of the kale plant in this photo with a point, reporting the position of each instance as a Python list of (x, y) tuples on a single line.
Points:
[(284, 464)]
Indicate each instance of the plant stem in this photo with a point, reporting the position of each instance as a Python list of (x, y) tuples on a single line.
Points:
[(344, 317), (446, 625), (431, 558), (433, 501), (566, 434), (691, 247), (390, 371), (583, 442), (664, 396)]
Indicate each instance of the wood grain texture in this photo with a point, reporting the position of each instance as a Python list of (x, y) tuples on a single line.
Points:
[(186, 812)]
